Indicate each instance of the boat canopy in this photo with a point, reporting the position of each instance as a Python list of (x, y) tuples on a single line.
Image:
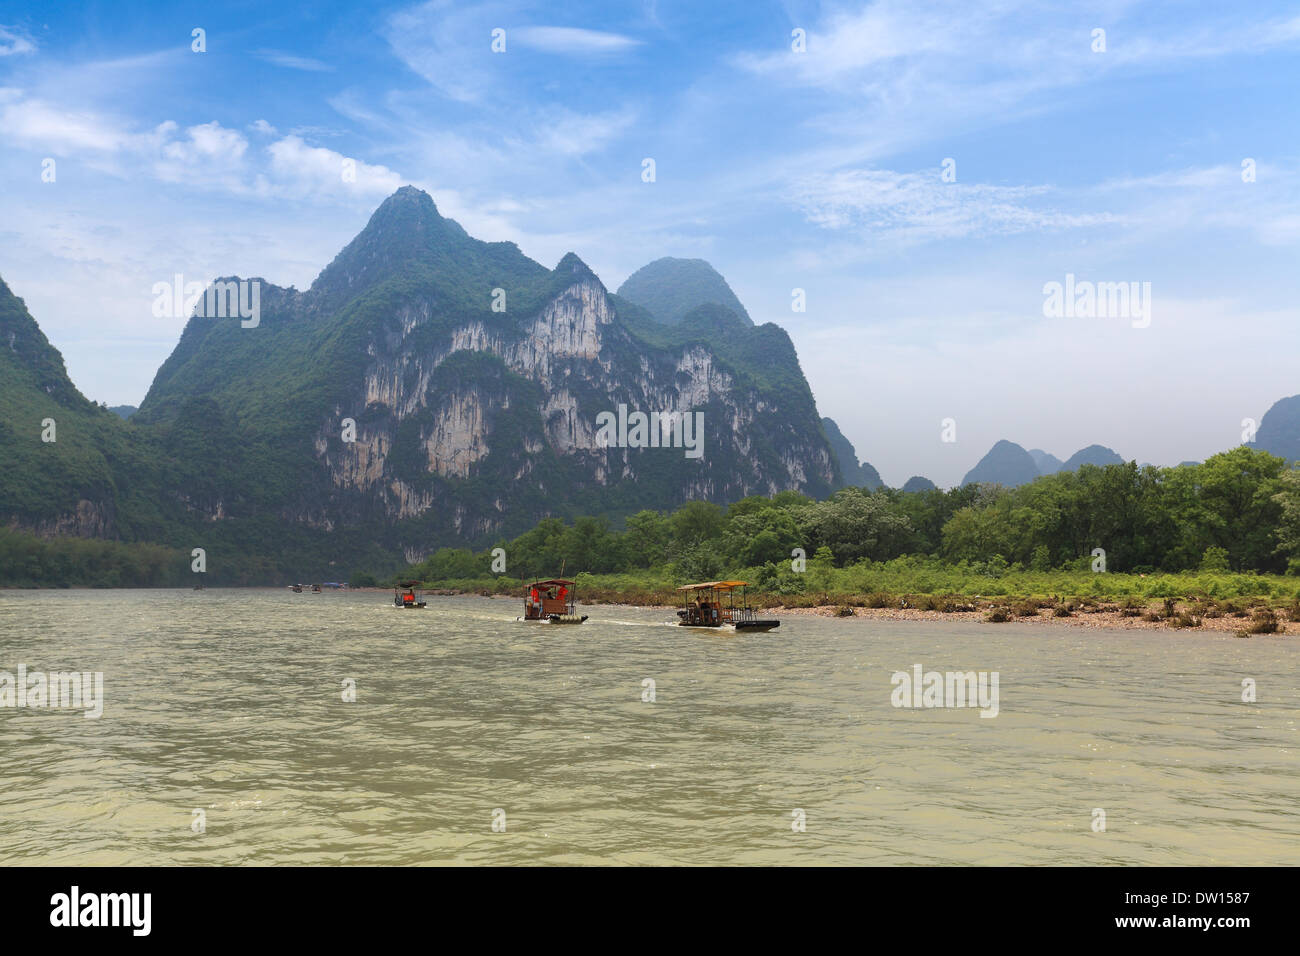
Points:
[(714, 586), (545, 584)]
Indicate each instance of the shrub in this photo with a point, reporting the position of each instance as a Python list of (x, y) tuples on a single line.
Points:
[(1263, 621)]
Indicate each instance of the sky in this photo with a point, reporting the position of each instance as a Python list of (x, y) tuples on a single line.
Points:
[(922, 172)]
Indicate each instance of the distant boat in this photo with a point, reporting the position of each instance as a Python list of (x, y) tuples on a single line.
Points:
[(552, 602), (704, 606), (315, 589), (295, 588), (406, 599)]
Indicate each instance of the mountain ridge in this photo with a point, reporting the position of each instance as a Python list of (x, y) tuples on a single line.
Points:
[(472, 377)]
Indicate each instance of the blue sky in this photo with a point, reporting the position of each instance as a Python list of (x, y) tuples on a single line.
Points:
[(818, 170)]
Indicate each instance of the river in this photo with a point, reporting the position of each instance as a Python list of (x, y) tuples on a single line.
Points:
[(778, 748)]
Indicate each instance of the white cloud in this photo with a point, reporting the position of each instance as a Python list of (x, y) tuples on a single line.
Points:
[(206, 155), (39, 124), (13, 42), (301, 170)]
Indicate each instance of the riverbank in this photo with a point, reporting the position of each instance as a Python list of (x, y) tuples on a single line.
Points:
[(1246, 618)]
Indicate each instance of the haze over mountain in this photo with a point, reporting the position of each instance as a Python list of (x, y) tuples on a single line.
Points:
[(1045, 462), (918, 483), (855, 474), (1092, 455)]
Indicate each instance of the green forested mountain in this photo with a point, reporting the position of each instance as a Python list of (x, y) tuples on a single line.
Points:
[(669, 288), (70, 467), (428, 389)]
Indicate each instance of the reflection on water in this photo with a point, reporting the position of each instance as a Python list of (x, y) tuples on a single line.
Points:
[(232, 702)]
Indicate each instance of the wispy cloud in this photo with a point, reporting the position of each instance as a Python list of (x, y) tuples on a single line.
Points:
[(59, 130), (921, 207), (566, 133), (574, 40), (292, 61)]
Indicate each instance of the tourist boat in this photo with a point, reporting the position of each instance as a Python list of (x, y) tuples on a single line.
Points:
[(295, 588), (315, 589), (406, 599), (551, 602), (713, 604)]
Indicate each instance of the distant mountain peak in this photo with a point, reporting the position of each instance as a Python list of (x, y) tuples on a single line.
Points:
[(670, 288), (1006, 463)]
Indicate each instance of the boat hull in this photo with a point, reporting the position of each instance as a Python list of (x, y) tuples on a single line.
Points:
[(742, 627)]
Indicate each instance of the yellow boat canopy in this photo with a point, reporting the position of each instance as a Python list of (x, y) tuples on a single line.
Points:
[(714, 586)]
